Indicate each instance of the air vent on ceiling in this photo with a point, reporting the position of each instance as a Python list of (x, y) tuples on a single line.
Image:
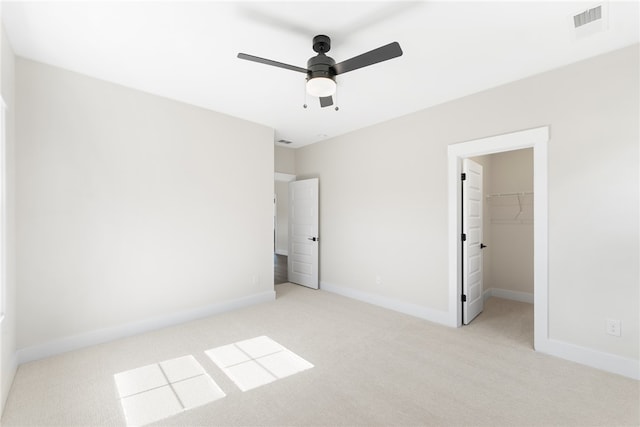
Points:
[(587, 16), (591, 21), (284, 141)]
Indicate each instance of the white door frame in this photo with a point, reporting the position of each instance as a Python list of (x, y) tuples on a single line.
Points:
[(533, 138)]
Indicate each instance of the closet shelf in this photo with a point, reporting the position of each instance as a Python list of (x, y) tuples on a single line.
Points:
[(511, 208), (522, 193), (512, 221)]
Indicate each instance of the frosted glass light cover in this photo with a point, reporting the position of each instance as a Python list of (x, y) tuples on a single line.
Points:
[(321, 86)]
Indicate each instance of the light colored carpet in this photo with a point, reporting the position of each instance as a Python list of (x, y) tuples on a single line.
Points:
[(371, 367)]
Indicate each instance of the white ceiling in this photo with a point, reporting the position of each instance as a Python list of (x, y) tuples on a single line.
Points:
[(187, 51)]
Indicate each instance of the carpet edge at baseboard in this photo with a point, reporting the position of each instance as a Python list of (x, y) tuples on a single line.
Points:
[(75, 342)]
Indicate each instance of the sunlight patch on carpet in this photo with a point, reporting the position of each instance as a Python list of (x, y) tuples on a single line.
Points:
[(256, 362), (157, 391)]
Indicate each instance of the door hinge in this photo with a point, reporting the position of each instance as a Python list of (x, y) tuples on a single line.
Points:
[(463, 237), (463, 176), (463, 298)]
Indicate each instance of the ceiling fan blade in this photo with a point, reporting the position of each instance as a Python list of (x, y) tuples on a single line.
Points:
[(326, 101), (384, 53), (270, 62)]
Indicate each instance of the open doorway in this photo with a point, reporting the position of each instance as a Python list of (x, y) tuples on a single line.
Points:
[(508, 220), (537, 140), (506, 246)]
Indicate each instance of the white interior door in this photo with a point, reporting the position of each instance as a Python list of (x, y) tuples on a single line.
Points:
[(472, 298), (303, 232)]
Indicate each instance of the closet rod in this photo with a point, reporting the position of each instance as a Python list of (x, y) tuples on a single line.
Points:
[(522, 193)]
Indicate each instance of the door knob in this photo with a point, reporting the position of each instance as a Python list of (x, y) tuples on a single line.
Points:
[(315, 239), (482, 246)]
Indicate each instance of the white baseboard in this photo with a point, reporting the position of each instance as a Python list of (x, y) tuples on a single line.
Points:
[(507, 294), (7, 380), (604, 361), (425, 313), (586, 356), (284, 252), (100, 336)]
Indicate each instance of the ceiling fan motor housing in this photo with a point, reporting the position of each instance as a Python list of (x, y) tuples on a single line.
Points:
[(321, 66)]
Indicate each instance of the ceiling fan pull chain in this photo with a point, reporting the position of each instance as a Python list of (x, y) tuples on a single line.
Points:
[(304, 104)]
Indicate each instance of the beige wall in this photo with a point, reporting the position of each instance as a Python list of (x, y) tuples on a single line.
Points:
[(8, 326), (284, 160), (284, 163), (133, 207), (383, 198), (282, 217)]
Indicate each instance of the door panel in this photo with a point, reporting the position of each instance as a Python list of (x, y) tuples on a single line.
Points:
[(472, 286), (303, 232)]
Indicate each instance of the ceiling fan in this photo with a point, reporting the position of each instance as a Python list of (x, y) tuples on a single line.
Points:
[(322, 70)]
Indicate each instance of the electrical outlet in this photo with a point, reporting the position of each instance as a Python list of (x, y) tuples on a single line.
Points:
[(613, 327), (378, 280)]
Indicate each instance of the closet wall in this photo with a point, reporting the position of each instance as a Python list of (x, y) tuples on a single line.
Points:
[(284, 163), (282, 217), (508, 223)]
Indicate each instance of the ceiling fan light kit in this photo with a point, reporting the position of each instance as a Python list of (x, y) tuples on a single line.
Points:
[(321, 86), (322, 70)]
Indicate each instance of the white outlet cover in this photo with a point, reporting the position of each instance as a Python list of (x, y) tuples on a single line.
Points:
[(614, 327)]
